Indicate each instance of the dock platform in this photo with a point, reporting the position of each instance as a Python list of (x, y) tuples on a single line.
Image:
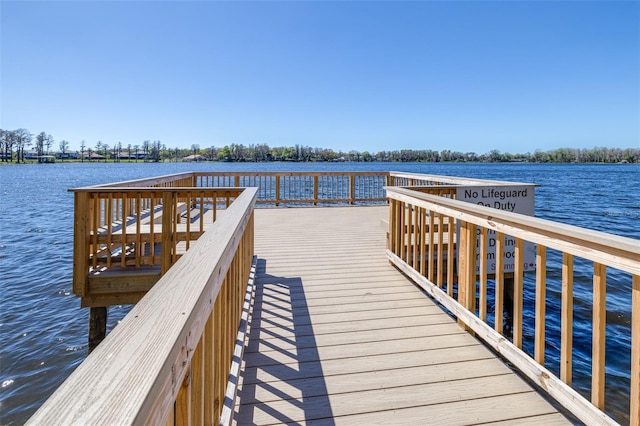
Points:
[(339, 336), (366, 298)]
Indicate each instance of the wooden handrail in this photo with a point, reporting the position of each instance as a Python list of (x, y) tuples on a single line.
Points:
[(399, 178), (148, 182), (145, 369), (613, 250), (412, 220)]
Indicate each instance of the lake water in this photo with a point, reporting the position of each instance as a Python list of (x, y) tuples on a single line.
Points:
[(43, 330)]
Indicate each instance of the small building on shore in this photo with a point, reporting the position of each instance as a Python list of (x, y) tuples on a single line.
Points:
[(194, 157)]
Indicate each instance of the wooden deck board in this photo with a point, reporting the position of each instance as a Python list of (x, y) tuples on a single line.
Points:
[(338, 336)]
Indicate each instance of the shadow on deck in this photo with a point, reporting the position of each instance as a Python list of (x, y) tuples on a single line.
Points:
[(282, 348)]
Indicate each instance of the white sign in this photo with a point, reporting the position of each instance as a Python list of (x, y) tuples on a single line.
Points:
[(516, 199)]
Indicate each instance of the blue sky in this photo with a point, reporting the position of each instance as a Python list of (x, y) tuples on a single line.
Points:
[(370, 76)]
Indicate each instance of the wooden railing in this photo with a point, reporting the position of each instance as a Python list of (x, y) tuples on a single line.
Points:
[(304, 188), (127, 234), (147, 229), (425, 228), (168, 361)]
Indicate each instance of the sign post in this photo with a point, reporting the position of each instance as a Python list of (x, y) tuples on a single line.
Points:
[(512, 198)]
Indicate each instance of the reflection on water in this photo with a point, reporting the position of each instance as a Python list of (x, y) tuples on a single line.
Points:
[(43, 330)]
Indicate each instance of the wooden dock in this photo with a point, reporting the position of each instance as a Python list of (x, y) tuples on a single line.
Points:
[(343, 327), (338, 336)]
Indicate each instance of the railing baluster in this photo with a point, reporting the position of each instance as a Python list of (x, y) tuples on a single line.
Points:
[(541, 299), (566, 339), (123, 244), (451, 226), (598, 340), (152, 236), (416, 232), (109, 227), (209, 374), (431, 248), (483, 273), (139, 248), (188, 220), (408, 241), (182, 405), (97, 207), (196, 376), (499, 283), (424, 235), (518, 292), (218, 367)]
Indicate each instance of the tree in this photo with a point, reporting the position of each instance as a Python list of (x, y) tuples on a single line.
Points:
[(83, 145), (98, 149), (105, 146), (64, 145), (154, 151), (224, 153), (22, 139), (7, 141), (136, 148), (40, 141), (129, 151), (48, 142), (145, 147)]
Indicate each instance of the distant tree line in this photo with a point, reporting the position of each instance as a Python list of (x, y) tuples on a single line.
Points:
[(14, 142)]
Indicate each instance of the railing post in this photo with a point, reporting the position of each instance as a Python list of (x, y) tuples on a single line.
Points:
[(467, 269), (277, 190), (167, 231), (352, 189), (315, 190), (81, 241)]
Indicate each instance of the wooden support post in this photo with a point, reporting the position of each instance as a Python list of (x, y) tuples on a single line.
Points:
[(277, 190), (352, 195), (81, 241), (315, 190), (167, 232), (97, 326)]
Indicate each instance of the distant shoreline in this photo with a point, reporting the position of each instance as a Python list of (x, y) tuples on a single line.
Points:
[(34, 162)]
